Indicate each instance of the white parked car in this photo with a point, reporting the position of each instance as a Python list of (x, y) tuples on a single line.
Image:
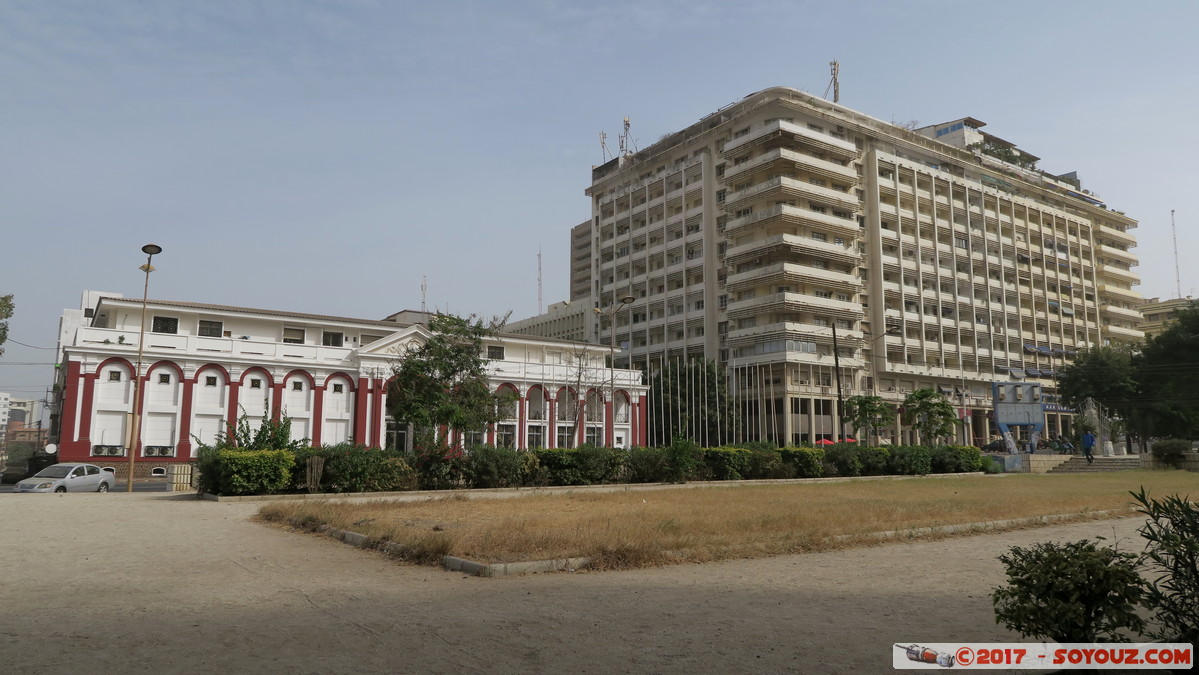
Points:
[(69, 478)]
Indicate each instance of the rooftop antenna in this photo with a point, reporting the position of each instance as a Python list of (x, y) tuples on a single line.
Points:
[(1177, 277), (539, 279), (424, 292), (604, 146), (627, 146), (834, 83)]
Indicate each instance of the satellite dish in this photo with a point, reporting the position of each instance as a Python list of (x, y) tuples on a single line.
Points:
[(51, 448)]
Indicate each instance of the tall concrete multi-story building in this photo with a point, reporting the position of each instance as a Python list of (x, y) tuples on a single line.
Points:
[(1160, 314), (783, 224)]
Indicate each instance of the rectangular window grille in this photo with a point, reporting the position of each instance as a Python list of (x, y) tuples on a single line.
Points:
[(256, 383), (495, 353), (211, 328), (164, 378), (114, 376), (210, 381), (293, 336), (332, 339), (338, 388), (297, 386), (165, 324)]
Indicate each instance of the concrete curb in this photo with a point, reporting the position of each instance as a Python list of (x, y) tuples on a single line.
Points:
[(493, 570)]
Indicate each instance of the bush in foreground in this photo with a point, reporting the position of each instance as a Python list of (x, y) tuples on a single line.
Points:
[(1171, 556)]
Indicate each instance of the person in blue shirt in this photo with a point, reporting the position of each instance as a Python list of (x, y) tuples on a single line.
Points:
[(1088, 447)]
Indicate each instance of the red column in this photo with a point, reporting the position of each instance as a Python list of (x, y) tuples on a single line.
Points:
[(183, 449), (643, 416), (139, 412), (234, 401), (87, 408), (634, 423), (376, 414), (70, 404), (318, 414), (551, 423), (277, 400), (581, 422), (361, 402), (609, 423)]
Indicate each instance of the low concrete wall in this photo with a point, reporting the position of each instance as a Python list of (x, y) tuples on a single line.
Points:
[(1034, 463), (1190, 461)]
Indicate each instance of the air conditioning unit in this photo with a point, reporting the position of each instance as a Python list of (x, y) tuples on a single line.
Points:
[(890, 388), (805, 382), (115, 450)]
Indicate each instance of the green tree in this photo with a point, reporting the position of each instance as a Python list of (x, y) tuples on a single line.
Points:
[(443, 382), (867, 413), (691, 400), (1166, 370), (930, 414), (6, 311), (1105, 374)]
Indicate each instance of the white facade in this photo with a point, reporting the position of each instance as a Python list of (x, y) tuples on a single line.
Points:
[(204, 366)]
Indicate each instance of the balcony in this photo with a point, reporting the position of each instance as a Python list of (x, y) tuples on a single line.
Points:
[(1129, 314), (793, 215), (783, 187), (1125, 238), (793, 330), (793, 302), (163, 345), (793, 272), (1118, 292), (1123, 333), (792, 159), (1119, 254), (803, 134), (1120, 274), (790, 243)]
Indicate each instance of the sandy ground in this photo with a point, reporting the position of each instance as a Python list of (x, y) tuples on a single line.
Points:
[(171, 584)]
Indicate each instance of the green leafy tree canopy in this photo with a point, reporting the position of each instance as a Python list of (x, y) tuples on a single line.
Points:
[(6, 312), (444, 382), (930, 414), (867, 413)]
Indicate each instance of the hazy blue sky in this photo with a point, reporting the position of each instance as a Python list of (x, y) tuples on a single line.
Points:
[(324, 156)]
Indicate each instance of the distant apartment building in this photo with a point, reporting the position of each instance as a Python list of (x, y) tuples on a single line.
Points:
[(566, 320), (783, 224), (1159, 314)]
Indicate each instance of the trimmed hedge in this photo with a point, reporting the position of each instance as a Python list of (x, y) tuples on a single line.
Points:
[(355, 468)]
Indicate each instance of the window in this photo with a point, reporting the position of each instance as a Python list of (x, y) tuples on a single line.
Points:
[(293, 336), (819, 236), (536, 437), (566, 436), (495, 353), (332, 339), (338, 388), (165, 324), (505, 435), (367, 339), (211, 328), (210, 381), (164, 378), (114, 376), (256, 383), (297, 386)]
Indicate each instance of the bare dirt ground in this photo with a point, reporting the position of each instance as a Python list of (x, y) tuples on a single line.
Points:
[(170, 584)]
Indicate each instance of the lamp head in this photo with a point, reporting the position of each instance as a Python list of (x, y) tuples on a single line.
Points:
[(151, 249), (626, 299)]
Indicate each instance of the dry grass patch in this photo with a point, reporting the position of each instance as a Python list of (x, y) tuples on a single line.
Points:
[(641, 528)]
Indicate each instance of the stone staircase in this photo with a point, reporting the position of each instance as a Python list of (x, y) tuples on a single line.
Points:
[(1102, 464)]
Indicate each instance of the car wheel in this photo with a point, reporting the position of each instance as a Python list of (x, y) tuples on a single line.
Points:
[(60, 488), (103, 487)]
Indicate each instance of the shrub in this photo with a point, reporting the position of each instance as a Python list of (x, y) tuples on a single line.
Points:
[(487, 466), (684, 458), (357, 468), (1172, 552), (647, 465), (247, 472), (439, 467), (756, 445), (803, 462), (955, 459), (842, 459), (988, 464), (1171, 451), (1071, 592), (764, 464), (726, 463), (558, 466), (597, 465), (910, 460), (874, 460)]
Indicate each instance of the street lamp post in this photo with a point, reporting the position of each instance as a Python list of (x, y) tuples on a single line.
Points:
[(150, 250), (611, 314)]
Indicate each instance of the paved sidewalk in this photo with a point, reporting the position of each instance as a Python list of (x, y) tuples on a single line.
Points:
[(166, 583)]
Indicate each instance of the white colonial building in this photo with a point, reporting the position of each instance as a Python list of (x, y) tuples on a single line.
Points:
[(204, 366)]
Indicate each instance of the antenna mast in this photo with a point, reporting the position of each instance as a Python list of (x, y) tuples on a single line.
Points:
[(1177, 277), (834, 83), (604, 146), (539, 279), (424, 291)]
